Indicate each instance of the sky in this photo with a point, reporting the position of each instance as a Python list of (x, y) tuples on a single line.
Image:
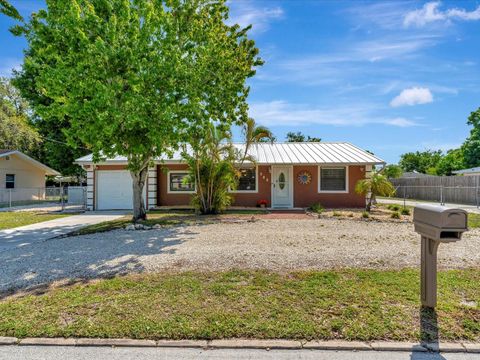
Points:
[(388, 76)]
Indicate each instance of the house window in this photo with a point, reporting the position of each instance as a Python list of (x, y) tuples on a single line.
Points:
[(247, 180), (333, 179), (10, 181), (177, 182)]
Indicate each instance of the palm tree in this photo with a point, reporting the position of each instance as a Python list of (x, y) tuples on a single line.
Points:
[(376, 185), (254, 133)]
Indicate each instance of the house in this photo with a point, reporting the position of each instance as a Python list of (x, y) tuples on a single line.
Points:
[(286, 175), (468, 172), (21, 177)]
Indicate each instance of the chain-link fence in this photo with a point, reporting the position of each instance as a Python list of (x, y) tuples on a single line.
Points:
[(68, 198), (452, 189)]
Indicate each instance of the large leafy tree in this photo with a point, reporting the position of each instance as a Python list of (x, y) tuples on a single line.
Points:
[(8, 9), (137, 77), (16, 129), (451, 161), (471, 146), (421, 161)]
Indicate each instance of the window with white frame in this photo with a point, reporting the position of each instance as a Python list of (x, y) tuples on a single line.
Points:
[(177, 182), (10, 181), (333, 179), (247, 180)]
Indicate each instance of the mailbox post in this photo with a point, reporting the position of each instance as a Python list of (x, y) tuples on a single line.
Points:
[(436, 225)]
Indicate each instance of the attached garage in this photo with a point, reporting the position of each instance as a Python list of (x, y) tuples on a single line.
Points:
[(114, 190)]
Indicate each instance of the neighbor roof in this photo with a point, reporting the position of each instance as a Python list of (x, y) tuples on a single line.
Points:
[(287, 153), (467, 171), (48, 171)]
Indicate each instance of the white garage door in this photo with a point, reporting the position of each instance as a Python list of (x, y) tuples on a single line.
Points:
[(114, 190)]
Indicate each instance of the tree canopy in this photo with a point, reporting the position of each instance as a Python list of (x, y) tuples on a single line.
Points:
[(471, 146), (16, 130), (300, 137), (136, 78)]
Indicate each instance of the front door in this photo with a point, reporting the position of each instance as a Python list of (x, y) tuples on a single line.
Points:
[(282, 190)]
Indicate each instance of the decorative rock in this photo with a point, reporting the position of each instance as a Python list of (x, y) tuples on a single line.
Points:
[(139, 227), (146, 227), (157, 226), (130, 227)]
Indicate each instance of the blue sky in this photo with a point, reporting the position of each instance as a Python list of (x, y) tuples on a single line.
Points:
[(390, 77)]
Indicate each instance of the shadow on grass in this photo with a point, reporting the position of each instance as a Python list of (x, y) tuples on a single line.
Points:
[(428, 335)]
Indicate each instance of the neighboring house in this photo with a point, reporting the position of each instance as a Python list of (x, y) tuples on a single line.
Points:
[(414, 175), (21, 177), (468, 172), (286, 175)]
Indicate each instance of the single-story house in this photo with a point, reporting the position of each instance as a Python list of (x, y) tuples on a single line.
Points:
[(285, 175), (468, 172), (21, 177)]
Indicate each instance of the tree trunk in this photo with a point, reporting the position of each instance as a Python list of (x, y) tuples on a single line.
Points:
[(369, 204), (139, 178)]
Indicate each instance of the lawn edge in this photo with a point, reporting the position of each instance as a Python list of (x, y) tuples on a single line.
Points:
[(336, 345)]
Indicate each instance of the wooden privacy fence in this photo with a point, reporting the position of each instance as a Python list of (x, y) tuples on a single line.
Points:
[(442, 189)]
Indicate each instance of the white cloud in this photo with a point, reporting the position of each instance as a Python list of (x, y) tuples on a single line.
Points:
[(246, 12), (430, 13), (412, 96), (282, 113)]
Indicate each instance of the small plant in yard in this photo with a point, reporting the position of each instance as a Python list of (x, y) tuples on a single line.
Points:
[(317, 208), (405, 211), (376, 185), (337, 213), (395, 215), (365, 214), (393, 207)]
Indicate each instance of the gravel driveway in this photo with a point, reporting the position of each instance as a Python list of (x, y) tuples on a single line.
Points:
[(280, 245)]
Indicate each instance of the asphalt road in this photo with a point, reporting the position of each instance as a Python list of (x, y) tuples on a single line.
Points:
[(84, 353)]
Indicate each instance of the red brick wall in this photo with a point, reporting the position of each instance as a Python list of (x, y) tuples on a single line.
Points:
[(245, 199), (306, 195), (264, 190), (163, 197)]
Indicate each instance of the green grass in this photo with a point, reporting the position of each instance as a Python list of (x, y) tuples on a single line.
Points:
[(473, 220), (348, 304), (9, 220)]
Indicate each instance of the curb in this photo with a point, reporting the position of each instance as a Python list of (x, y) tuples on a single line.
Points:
[(337, 345)]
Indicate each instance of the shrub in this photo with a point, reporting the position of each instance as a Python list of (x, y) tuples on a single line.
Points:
[(395, 215), (365, 214), (405, 211), (393, 207), (337, 213), (318, 208)]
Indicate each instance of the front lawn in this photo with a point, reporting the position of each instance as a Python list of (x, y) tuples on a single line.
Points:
[(344, 304), (9, 220)]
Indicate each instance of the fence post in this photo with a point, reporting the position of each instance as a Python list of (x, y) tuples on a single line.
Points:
[(441, 195), (61, 198), (404, 197)]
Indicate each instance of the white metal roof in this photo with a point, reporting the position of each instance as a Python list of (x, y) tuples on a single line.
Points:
[(467, 171), (48, 170), (288, 153)]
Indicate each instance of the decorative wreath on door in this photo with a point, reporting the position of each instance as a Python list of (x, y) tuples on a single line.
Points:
[(304, 177)]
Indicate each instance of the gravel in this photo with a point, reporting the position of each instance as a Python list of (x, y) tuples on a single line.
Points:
[(279, 245)]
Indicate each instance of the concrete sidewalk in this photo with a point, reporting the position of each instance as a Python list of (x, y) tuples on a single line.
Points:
[(469, 208), (128, 353), (26, 235)]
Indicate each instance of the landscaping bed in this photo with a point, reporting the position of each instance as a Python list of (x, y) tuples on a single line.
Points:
[(250, 304)]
